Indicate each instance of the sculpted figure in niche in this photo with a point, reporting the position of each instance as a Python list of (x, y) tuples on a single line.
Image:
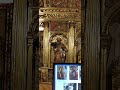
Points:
[(59, 51)]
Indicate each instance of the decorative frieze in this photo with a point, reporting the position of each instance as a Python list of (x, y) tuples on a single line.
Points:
[(61, 14)]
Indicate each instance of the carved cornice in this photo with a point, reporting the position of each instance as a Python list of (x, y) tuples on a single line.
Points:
[(56, 14), (61, 14), (59, 9)]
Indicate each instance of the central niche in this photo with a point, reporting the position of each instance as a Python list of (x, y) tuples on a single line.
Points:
[(59, 48), (58, 42)]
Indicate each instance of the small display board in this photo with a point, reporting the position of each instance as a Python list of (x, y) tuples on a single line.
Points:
[(67, 76)]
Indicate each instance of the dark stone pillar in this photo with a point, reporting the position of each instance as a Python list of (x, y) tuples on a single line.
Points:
[(19, 45), (92, 45), (29, 63)]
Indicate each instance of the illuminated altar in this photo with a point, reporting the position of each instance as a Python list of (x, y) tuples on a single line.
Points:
[(57, 19)]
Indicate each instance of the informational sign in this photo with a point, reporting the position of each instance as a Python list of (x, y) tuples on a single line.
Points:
[(67, 77)]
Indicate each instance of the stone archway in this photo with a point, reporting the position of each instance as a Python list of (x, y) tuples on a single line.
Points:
[(109, 49), (114, 55)]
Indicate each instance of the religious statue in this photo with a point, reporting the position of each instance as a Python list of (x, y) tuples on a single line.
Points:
[(59, 51)]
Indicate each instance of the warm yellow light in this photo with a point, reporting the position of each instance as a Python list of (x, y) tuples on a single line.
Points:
[(41, 19), (41, 13), (41, 28)]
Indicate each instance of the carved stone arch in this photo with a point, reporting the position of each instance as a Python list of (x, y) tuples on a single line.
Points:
[(105, 34), (106, 38), (35, 22), (106, 41), (111, 13)]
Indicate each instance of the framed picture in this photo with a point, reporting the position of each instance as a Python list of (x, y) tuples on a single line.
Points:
[(67, 76)]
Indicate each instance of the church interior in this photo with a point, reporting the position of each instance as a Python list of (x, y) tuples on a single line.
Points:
[(36, 34)]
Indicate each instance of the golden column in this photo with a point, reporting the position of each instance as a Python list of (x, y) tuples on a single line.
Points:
[(75, 45), (46, 44), (71, 35)]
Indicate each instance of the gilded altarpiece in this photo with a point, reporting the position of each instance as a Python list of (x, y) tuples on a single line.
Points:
[(62, 29), (59, 42)]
